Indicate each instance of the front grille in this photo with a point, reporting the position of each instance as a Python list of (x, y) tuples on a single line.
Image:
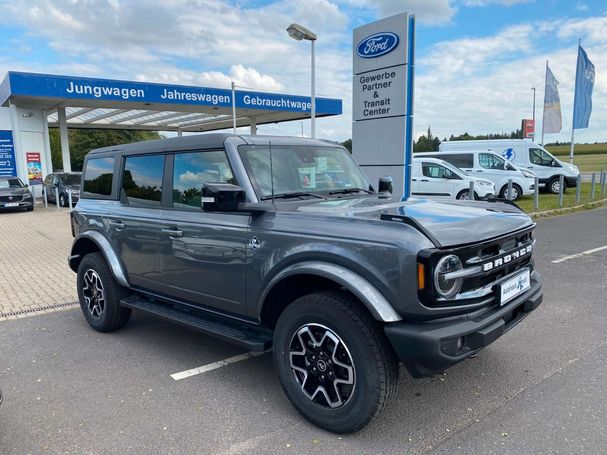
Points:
[(10, 198), (474, 257)]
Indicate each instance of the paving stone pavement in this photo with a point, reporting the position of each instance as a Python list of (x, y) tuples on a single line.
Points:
[(34, 275)]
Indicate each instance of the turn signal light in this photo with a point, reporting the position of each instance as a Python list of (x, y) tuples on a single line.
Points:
[(421, 276)]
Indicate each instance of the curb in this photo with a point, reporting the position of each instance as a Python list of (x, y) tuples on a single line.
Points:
[(573, 208)]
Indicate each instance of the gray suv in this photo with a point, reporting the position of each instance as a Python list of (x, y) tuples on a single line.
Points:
[(282, 243)]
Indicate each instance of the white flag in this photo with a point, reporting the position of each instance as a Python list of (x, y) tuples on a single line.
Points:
[(553, 121)]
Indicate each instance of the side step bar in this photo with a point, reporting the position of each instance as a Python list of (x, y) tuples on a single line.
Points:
[(248, 336)]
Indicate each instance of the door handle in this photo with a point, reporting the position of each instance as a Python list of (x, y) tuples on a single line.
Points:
[(415, 180), (478, 170), (117, 224), (173, 232), (424, 180)]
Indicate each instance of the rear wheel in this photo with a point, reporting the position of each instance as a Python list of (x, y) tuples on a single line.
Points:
[(100, 294), (334, 361), (62, 200)]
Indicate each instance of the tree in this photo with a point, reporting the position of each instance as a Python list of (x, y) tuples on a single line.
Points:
[(83, 141), (347, 144), (426, 143)]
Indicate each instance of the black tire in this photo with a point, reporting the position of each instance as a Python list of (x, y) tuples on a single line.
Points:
[(516, 191), (553, 185), (103, 314), (374, 366), (465, 195), (30, 209), (63, 201)]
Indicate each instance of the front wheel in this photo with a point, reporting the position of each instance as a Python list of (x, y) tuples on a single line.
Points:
[(554, 185), (516, 192), (464, 195), (334, 361), (100, 295)]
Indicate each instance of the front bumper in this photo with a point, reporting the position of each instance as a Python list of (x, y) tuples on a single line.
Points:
[(571, 182), (428, 348)]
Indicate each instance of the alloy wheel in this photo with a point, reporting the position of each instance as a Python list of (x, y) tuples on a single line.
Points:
[(322, 366), (94, 294)]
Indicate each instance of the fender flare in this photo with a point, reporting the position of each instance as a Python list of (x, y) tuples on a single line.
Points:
[(367, 293), (106, 249)]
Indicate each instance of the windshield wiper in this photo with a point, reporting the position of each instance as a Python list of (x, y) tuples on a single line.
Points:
[(291, 195), (350, 190)]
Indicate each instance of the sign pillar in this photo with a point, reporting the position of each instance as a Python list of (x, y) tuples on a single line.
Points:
[(65, 143), (382, 106)]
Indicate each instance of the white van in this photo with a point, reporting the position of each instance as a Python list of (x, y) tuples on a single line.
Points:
[(436, 178), (525, 154), (490, 166)]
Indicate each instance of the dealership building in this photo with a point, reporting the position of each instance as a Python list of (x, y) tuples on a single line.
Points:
[(30, 103)]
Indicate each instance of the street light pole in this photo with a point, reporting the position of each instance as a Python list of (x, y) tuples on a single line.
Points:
[(298, 33), (533, 88)]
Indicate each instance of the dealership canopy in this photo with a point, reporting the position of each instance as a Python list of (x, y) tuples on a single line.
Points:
[(30, 103), (115, 104)]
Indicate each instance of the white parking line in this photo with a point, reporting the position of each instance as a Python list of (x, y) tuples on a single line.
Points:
[(579, 255), (214, 365)]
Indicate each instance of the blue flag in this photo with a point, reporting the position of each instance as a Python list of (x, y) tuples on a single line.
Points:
[(584, 82)]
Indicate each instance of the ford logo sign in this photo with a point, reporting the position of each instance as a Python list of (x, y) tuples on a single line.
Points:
[(377, 45)]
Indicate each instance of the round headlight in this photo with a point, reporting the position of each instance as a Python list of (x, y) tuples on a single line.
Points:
[(447, 288)]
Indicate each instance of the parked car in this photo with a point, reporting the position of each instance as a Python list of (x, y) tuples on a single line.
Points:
[(14, 194), (432, 177), (490, 166), (283, 243), (65, 183), (527, 155)]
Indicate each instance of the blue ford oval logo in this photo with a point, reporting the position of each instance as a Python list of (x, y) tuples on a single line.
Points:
[(377, 45)]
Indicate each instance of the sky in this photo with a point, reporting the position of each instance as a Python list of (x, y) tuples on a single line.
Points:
[(476, 60)]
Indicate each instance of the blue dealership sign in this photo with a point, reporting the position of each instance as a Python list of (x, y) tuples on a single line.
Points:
[(377, 45), (7, 154), (49, 86)]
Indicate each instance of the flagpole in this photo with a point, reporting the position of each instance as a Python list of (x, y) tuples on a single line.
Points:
[(544, 109), (579, 45)]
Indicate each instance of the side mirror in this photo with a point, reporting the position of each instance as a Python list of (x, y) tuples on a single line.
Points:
[(384, 188), (222, 197)]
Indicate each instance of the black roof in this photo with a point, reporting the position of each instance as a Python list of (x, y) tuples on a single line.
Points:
[(207, 140)]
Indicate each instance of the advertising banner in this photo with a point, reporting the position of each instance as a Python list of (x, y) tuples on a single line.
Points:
[(7, 154), (34, 168), (528, 127)]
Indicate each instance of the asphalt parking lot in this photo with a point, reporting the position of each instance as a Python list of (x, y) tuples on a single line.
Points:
[(539, 389)]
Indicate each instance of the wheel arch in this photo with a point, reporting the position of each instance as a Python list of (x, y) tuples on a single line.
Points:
[(93, 241), (311, 276)]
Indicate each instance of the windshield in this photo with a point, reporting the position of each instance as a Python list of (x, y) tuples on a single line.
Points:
[(71, 179), (296, 169), (11, 183)]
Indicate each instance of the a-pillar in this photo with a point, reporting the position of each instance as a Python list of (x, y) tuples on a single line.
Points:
[(253, 126), (65, 143)]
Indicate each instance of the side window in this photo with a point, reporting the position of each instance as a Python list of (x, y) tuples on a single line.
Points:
[(491, 161), (98, 176), (461, 160), (142, 180), (436, 171), (539, 157), (192, 170), (48, 180)]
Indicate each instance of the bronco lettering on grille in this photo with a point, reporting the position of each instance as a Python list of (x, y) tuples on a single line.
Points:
[(507, 258)]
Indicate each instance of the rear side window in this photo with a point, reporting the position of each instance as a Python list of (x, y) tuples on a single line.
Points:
[(142, 180), (98, 176), (461, 160), (192, 170)]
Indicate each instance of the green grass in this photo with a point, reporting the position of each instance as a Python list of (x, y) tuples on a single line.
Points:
[(590, 163), (580, 149), (551, 201)]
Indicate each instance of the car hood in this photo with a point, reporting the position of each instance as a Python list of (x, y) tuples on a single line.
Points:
[(447, 224), (13, 191)]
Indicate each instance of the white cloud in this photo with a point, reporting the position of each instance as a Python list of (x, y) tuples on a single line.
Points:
[(428, 12), (473, 3)]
